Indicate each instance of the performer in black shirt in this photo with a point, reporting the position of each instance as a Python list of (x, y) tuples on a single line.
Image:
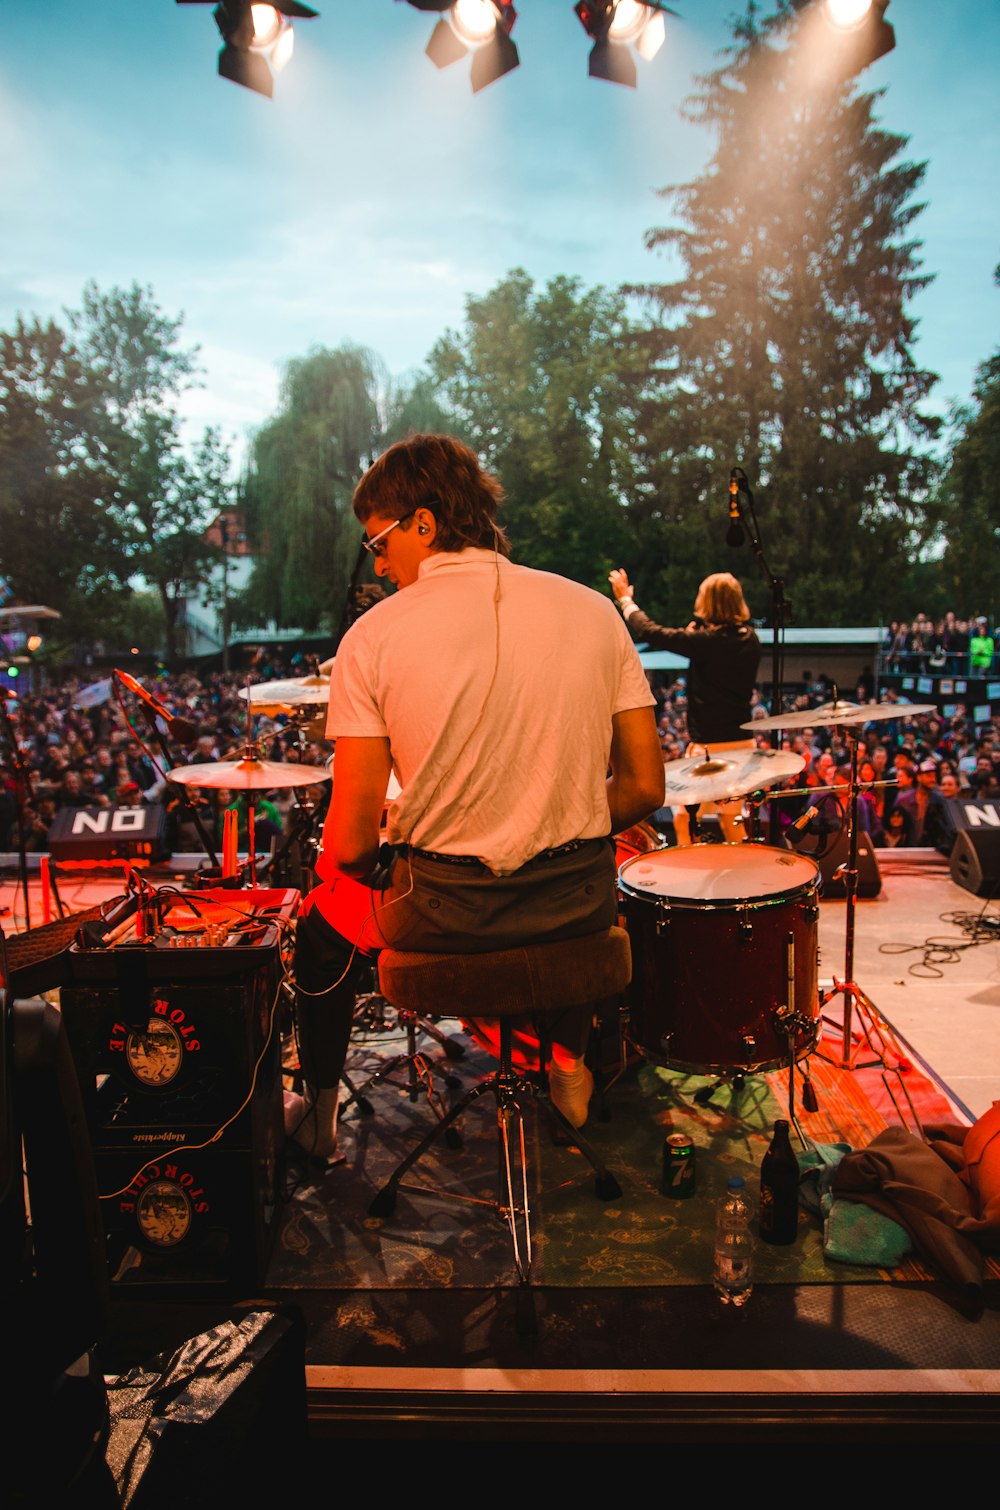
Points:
[(724, 653)]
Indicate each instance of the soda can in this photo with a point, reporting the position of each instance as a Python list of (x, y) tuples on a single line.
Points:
[(678, 1166)]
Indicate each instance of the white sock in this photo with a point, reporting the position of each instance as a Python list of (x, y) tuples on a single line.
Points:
[(571, 1086), (311, 1119)]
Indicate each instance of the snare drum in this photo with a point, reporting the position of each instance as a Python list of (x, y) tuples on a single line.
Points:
[(724, 941)]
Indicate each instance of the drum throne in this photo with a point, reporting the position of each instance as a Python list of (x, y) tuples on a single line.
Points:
[(540, 979)]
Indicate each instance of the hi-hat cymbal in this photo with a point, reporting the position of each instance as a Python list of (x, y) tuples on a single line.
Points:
[(726, 775), (804, 718), (248, 775)]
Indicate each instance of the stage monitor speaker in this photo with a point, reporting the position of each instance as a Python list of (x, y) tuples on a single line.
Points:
[(110, 833), (869, 875), (975, 861)]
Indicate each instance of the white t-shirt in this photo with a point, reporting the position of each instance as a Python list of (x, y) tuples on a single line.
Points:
[(495, 686)]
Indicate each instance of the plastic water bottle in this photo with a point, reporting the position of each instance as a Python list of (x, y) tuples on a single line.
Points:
[(733, 1246)]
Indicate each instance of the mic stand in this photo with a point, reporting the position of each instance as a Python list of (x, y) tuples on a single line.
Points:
[(352, 587), (180, 789), (22, 786), (781, 612)]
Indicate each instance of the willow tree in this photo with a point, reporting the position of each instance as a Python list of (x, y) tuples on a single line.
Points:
[(337, 411), (786, 342)]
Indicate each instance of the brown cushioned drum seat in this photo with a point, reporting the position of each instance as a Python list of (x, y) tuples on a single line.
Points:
[(540, 977)]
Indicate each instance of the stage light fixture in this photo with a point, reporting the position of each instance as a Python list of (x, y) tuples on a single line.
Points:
[(482, 27), (616, 26), (258, 39), (858, 30)]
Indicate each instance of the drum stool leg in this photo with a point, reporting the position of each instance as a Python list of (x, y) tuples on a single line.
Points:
[(509, 1089)]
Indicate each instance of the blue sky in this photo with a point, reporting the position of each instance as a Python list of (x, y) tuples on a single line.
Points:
[(374, 193)]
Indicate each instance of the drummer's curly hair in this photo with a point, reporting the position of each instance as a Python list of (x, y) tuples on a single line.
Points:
[(442, 474)]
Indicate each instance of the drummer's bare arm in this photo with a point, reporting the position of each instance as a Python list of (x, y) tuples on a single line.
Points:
[(635, 786), (351, 831)]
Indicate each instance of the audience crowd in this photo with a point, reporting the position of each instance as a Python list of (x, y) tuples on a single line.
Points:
[(950, 647), (107, 754)]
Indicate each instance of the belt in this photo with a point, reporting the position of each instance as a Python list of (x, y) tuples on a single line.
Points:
[(545, 854)]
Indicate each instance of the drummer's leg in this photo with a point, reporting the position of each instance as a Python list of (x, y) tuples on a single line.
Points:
[(327, 971), (333, 938)]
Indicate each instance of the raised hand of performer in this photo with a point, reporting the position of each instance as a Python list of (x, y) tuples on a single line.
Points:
[(620, 585)]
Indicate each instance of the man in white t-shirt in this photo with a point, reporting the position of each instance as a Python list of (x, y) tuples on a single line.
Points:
[(499, 697)]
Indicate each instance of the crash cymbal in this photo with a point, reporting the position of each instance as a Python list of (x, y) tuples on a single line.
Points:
[(839, 712), (729, 774), (804, 718), (880, 712), (273, 698), (248, 775)]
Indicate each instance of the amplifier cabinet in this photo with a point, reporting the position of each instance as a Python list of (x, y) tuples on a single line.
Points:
[(177, 1055), (203, 1217), (170, 1046)]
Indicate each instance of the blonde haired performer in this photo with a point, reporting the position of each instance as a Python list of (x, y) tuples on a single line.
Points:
[(724, 653)]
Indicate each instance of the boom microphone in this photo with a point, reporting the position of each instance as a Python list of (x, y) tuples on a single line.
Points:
[(181, 729)]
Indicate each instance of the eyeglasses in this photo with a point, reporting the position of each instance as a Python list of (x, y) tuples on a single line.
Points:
[(374, 546)]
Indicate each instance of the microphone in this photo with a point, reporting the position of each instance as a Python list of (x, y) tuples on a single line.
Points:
[(796, 830), (181, 729), (807, 817), (735, 534)]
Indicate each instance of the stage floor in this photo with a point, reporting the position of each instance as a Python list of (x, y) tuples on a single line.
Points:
[(418, 1348)]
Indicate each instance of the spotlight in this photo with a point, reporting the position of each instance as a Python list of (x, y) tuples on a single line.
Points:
[(258, 39), (857, 30), (617, 25), (482, 27)]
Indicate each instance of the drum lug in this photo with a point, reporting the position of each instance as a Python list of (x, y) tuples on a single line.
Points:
[(662, 914), (749, 1045), (745, 925)]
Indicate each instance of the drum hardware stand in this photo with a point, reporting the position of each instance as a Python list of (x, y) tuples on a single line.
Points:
[(510, 1089), (852, 993), (370, 1012), (896, 1070)]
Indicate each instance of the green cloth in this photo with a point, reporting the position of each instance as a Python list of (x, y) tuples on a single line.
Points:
[(852, 1232)]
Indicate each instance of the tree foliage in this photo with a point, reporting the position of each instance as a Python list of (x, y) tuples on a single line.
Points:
[(786, 343), (58, 542), (163, 498), (539, 383), (338, 410), (968, 501), (96, 489)]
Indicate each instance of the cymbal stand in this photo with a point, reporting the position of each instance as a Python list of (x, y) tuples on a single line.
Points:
[(854, 997)]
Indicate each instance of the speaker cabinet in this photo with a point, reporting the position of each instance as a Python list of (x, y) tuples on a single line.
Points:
[(975, 861), (869, 875)]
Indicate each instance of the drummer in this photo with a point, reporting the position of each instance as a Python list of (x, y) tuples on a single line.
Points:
[(724, 653)]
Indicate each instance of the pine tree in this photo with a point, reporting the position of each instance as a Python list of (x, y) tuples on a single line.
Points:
[(786, 345), (967, 506)]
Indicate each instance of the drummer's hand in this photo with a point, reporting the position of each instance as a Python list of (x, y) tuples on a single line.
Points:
[(618, 577)]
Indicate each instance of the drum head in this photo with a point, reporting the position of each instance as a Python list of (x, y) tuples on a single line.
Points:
[(718, 873)]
